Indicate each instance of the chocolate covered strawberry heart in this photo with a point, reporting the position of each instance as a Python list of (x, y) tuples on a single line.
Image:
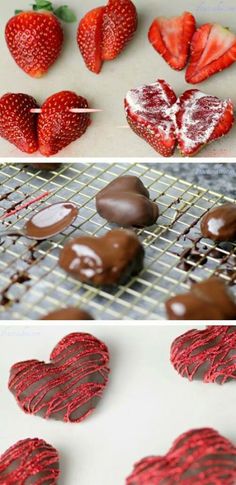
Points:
[(209, 300), (148, 114), (125, 201), (70, 386), (106, 260), (70, 313), (209, 354), (30, 461), (200, 119), (219, 223), (197, 457)]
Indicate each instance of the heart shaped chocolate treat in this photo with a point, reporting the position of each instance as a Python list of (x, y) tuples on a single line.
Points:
[(70, 386), (148, 114), (219, 223), (30, 462), (69, 313), (106, 260), (197, 457), (209, 300), (125, 201), (209, 354), (200, 119)]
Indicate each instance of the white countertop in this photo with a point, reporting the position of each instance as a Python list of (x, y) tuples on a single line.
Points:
[(145, 406), (138, 64)]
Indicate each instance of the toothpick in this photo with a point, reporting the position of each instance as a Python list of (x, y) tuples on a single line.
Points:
[(72, 110), (24, 206)]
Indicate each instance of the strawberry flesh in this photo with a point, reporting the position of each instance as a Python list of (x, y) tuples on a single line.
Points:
[(200, 119), (35, 40), (89, 38), (17, 124), (213, 49), (172, 37), (57, 126), (147, 110), (120, 22)]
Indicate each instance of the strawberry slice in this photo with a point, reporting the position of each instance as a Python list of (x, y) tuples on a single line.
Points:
[(57, 126), (17, 124), (213, 49), (35, 40), (89, 38), (120, 22), (171, 38), (200, 119), (148, 114)]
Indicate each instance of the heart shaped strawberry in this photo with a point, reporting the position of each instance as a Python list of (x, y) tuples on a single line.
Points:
[(30, 461), (148, 114), (197, 457), (57, 125), (125, 201), (104, 32), (17, 124), (200, 119), (209, 354), (70, 386)]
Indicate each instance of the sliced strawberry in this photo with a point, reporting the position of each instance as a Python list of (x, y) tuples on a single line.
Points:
[(34, 40), (200, 119), (119, 25), (17, 124), (213, 49), (57, 126), (172, 37), (147, 110), (89, 38)]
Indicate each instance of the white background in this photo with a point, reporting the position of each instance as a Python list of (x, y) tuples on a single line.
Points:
[(144, 408), (138, 64)]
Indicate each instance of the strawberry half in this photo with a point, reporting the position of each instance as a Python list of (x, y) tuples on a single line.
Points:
[(35, 40), (148, 114), (213, 49), (200, 119), (17, 124), (57, 125), (104, 32), (171, 38)]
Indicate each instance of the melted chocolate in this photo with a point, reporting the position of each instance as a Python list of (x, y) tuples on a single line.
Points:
[(70, 313), (219, 223), (51, 220), (208, 300), (107, 260), (125, 201), (45, 166)]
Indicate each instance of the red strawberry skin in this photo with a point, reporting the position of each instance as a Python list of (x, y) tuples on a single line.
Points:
[(35, 40), (119, 25), (57, 126), (89, 39), (213, 49), (201, 119), (17, 124), (147, 114), (171, 38), (104, 32)]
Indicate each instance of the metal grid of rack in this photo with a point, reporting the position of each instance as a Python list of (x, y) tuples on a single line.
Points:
[(32, 283)]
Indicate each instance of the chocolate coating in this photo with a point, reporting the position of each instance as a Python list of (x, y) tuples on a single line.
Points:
[(208, 300), (51, 220), (69, 313), (125, 201), (107, 260), (219, 223), (45, 166)]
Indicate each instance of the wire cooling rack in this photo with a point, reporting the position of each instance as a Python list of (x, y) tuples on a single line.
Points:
[(32, 283)]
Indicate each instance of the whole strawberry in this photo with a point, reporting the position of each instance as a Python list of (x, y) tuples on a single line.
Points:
[(17, 124), (57, 125), (104, 32), (35, 38)]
